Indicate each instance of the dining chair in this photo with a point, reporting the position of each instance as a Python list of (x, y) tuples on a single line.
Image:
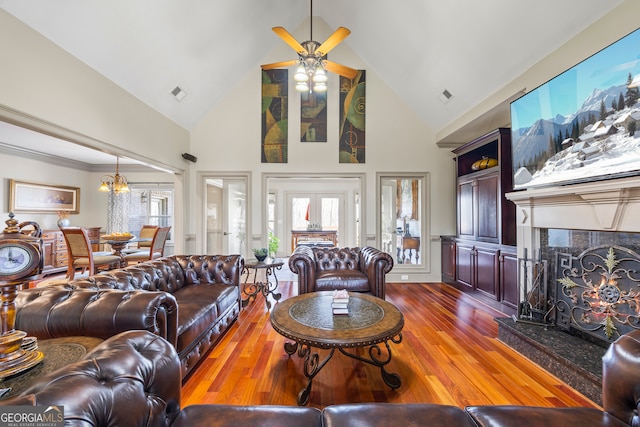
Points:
[(146, 232), (81, 255), (156, 250)]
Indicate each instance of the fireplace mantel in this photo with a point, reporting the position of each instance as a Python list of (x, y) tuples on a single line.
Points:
[(611, 205), (600, 206)]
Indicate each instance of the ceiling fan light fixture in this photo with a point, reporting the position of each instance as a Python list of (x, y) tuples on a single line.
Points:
[(312, 57), (320, 87), (302, 86), (301, 74), (320, 76)]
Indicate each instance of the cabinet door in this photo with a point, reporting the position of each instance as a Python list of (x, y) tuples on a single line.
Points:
[(465, 265), (466, 210), (509, 279), (487, 279), (48, 253), (488, 212), (448, 250)]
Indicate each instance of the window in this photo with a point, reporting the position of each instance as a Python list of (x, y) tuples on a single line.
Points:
[(150, 205)]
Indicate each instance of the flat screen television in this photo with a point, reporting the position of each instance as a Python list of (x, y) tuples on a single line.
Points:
[(582, 125)]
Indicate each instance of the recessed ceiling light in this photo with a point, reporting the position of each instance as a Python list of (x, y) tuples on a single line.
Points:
[(178, 93)]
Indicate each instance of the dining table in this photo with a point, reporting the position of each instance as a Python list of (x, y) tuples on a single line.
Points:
[(118, 245)]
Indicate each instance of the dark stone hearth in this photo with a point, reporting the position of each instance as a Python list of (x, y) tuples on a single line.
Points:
[(574, 360)]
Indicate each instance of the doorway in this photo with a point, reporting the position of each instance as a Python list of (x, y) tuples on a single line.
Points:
[(333, 202), (403, 225), (225, 204), (317, 212)]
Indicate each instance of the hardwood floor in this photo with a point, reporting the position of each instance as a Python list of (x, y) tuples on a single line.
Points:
[(449, 354)]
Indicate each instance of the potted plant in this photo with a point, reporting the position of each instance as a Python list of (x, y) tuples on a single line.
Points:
[(274, 244), (260, 253)]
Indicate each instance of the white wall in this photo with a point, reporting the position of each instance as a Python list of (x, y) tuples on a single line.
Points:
[(396, 141), (92, 209), (41, 80), (93, 204)]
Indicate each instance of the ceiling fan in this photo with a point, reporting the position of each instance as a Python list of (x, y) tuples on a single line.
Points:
[(312, 57)]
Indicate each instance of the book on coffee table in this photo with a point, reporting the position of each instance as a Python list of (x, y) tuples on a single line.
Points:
[(340, 302), (341, 296)]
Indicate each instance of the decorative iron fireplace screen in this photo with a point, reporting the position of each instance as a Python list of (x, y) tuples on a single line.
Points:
[(532, 277), (598, 291)]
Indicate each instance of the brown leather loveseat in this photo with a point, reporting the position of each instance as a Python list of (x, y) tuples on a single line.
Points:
[(189, 300), (133, 379), (354, 269)]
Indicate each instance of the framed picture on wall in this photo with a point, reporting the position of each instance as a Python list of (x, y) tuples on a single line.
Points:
[(43, 198)]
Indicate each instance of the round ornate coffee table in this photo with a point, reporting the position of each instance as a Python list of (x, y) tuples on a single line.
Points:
[(309, 321)]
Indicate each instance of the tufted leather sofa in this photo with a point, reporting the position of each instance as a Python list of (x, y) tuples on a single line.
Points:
[(354, 269), (188, 300), (133, 379)]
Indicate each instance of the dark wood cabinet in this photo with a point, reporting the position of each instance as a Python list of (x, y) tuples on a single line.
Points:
[(509, 278), (477, 268), (485, 254), (448, 251), (484, 214), (487, 278), (465, 265), (466, 211)]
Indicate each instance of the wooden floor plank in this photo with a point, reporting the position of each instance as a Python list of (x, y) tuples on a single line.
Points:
[(449, 355)]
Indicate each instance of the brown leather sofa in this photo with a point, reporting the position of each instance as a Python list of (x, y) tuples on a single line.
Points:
[(188, 300), (354, 269), (133, 379)]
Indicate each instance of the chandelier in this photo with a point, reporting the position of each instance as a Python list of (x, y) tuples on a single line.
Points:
[(116, 183)]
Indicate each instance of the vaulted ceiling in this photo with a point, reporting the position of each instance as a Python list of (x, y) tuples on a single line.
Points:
[(418, 48)]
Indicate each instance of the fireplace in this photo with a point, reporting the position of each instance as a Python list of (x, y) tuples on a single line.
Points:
[(558, 294), (570, 220)]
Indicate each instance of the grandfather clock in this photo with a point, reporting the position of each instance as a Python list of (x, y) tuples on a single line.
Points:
[(20, 260)]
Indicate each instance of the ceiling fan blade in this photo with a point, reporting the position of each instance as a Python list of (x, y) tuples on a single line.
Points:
[(281, 64), (333, 40), (342, 70), (290, 40)]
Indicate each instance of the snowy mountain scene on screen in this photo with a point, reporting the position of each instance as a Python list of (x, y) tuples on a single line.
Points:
[(584, 124)]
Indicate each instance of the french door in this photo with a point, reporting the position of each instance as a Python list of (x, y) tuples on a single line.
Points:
[(316, 211), (225, 203)]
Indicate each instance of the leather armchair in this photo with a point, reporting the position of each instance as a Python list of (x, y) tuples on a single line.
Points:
[(354, 269)]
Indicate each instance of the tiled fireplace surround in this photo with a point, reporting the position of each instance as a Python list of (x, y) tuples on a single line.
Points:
[(570, 219)]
